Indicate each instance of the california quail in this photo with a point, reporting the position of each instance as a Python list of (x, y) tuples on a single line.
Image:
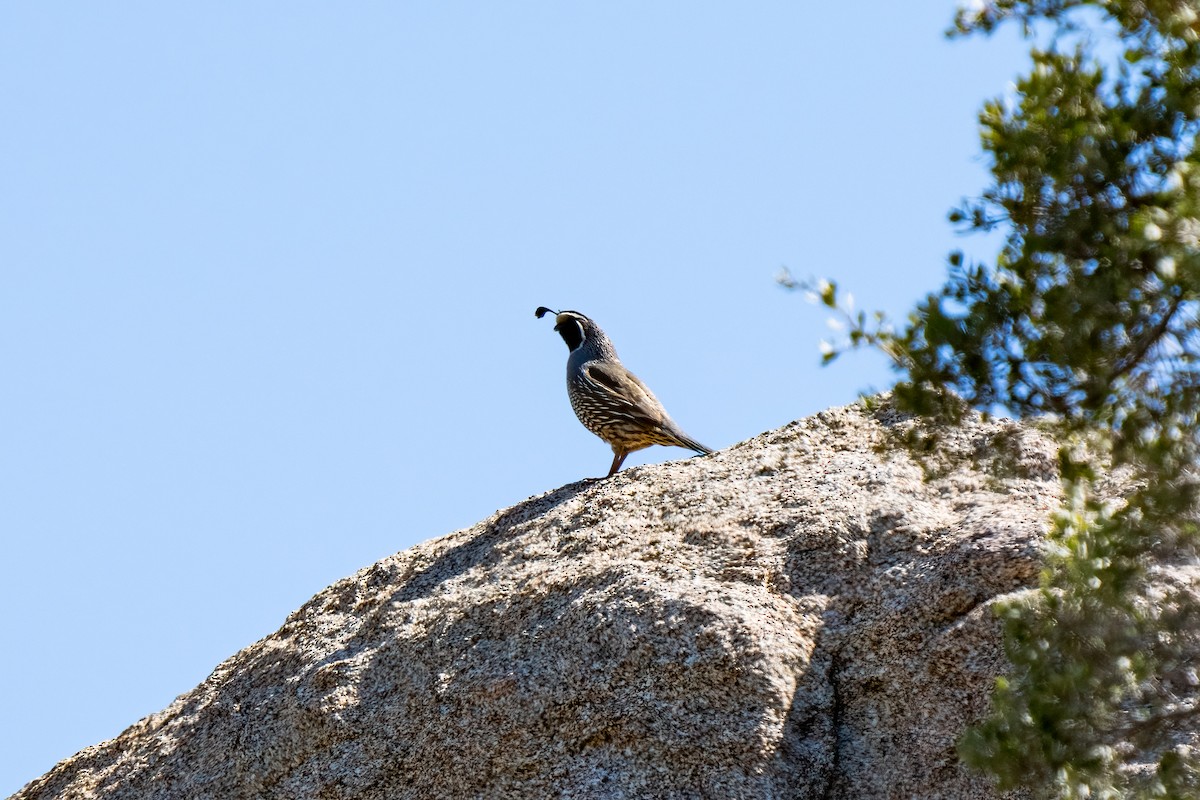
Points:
[(609, 400)]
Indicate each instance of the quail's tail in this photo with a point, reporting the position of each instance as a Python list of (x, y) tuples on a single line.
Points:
[(683, 440)]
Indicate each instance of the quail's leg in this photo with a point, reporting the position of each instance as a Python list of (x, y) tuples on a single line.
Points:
[(618, 460)]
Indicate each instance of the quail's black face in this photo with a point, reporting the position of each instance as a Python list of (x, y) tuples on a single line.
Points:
[(570, 326)]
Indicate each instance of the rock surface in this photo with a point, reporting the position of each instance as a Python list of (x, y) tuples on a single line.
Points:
[(804, 615)]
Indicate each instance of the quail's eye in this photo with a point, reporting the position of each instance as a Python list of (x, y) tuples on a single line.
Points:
[(571, 332)]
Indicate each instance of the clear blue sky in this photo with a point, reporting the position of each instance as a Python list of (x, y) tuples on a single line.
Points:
[(268, 273)]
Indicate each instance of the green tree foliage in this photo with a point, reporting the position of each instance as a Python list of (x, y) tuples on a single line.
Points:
[(1087, 319)]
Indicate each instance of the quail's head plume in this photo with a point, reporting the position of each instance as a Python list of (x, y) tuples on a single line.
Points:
[(609, 400)]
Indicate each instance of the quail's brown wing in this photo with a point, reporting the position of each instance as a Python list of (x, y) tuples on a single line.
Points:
[(630, 397)]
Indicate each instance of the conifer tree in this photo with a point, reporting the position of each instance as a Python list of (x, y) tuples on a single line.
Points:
[(1087, 321)]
